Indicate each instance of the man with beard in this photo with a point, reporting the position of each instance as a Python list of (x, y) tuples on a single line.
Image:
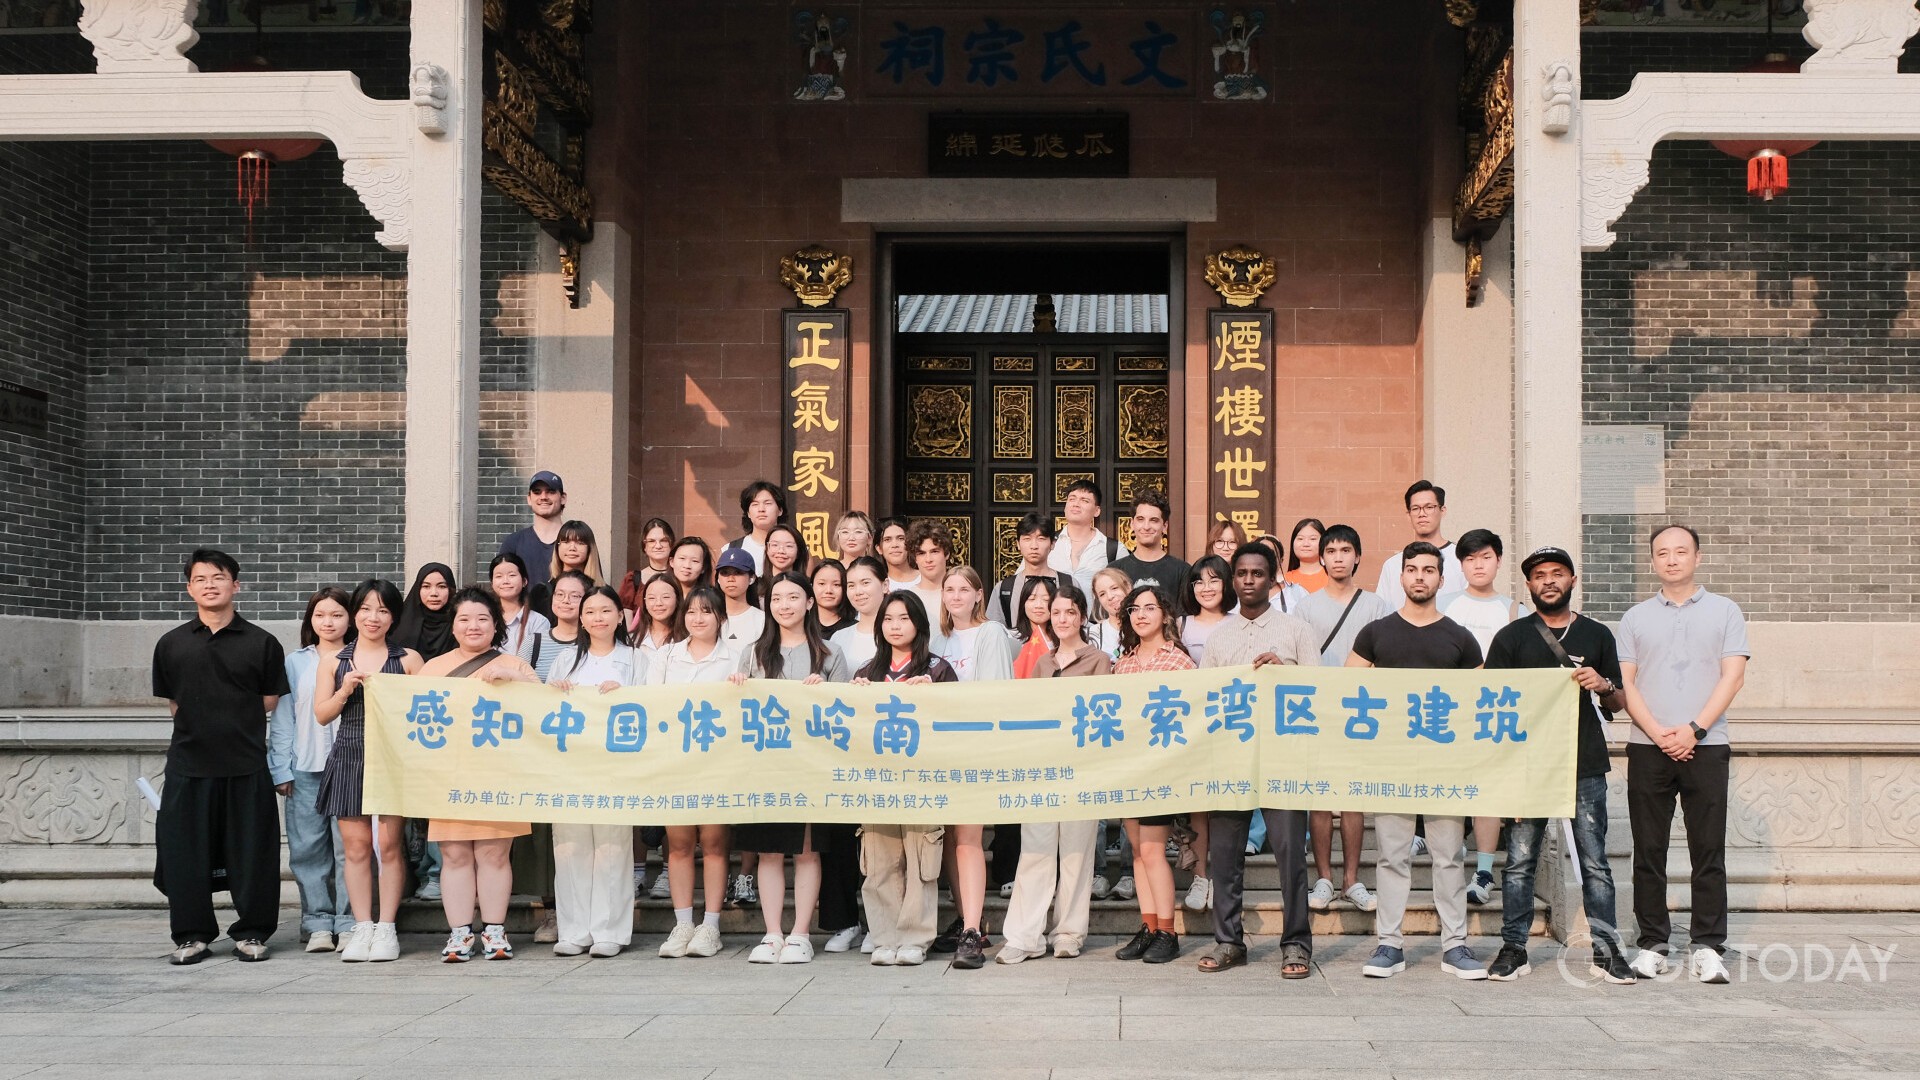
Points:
[(1556, 636), (1418, 636)]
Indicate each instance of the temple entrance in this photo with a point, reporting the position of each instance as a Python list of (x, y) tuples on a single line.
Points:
[(1053, 366)]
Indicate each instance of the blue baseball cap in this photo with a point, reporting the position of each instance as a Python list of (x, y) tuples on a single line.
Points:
[(735, 559), (551, 479)]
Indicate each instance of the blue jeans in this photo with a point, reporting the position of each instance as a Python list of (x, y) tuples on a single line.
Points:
[(1596, 877), (1257, 832), (317, 860)]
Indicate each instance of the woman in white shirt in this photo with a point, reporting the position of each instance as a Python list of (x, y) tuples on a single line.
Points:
[(700, 657), (525, 626), (866, 589), (978, 651), (656, 622), (1110, 588), (789, 648), (1208, 598), (297, 749), (593, 864)]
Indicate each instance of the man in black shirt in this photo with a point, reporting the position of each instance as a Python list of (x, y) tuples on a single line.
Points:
[(1555, 636), (547, 498), (221, 676), (1418, 636), (1150, 563)]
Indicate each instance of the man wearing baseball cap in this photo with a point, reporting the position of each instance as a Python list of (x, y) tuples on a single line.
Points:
[(1556, 636), (547, 498)]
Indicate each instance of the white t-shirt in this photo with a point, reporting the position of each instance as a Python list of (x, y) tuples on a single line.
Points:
[(959, 650), (896, 586), (1452, 579), (759, 552), (1194, 635), (1482, 618), (856, 645), (743, 630), (931, 600), (676, 664), (1106, 638), (618, 666)]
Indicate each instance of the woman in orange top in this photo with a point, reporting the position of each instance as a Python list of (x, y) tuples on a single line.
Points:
[(1303, 555)]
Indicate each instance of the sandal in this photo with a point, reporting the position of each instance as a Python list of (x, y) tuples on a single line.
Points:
[(1223, 956), (1295, 961)]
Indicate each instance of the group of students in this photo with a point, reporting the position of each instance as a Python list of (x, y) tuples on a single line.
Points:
[(894, 607)]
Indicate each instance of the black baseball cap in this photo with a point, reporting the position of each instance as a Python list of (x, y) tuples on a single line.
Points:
[(551, 479), (1547, 555)]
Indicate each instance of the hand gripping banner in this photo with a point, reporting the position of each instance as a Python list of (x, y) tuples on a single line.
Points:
[(1489, 743)]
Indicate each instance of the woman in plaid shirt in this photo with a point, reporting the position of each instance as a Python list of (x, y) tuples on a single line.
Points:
[(1150, 641)]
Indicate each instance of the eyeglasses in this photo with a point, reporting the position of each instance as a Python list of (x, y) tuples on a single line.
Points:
[(1151, 609)]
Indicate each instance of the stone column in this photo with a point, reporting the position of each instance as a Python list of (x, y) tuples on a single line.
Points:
[(443, 297), (1546, 277)]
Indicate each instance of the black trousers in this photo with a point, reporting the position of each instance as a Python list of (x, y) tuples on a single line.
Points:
[(1003, 855), (1653, 780), (209, 823), (1227, 866), (839, 877)]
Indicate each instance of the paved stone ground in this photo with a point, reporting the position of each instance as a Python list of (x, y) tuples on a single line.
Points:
[(87, 994)]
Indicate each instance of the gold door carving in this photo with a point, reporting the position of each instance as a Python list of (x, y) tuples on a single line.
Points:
[(940, 421), (1006, 549), (1013, 487), (1013, 422), (1073, 422), (1143, 421), (940, 487)]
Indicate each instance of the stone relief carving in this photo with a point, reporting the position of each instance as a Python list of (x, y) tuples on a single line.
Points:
[(383, 185), (1605, 191), (1858, 35), (1778, 804), (427, 87), (140, 35), (1558, 91), (58, 800), (1891, 803)]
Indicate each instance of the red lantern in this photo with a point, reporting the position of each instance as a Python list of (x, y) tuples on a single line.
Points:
[(1767, 158), (255, 158)]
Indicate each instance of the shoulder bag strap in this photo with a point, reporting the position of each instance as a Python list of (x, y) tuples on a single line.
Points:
[(1553, 642), (1343, 620)]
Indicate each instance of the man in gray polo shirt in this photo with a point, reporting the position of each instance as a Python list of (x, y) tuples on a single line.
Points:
[(1683, 657)]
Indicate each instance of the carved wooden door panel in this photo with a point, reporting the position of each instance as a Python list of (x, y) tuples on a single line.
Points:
[(996, 427)]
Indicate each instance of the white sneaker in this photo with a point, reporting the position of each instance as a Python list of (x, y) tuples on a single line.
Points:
[(640, 881), (767, 952), (567, 948), (1708, 967), (910, 955), (1199, 895), (1419, 846), (1321, 898), (706, 941), (798, 950), (1006, 891), (866, 944), (1123, 889), (604, 949), (1360, 898), (662, 888), (1649, 964), (884, 956), (320, 941), (385, 945), (1067, 946), (677, 941), (359, 942), (843, 941), (1100, 887)]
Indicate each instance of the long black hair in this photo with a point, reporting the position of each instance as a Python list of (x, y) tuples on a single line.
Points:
[(843, 611), (1069, 590), (1219, 568), (325, 592), (766, 651), (1293, 558), (881, 665), (1023, 625), (583, 644)]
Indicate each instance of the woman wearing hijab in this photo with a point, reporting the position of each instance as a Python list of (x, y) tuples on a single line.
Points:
[(426, 618)]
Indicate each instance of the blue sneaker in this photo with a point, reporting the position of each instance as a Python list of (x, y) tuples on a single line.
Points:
[(1385, 963), (1460, 961)]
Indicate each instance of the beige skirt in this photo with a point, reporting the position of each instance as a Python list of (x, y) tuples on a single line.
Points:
[(439, 830)]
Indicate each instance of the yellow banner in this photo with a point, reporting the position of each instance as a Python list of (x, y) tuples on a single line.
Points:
[(1495, 743)]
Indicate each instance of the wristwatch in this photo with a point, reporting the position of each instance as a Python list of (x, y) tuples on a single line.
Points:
[(1699, 733)]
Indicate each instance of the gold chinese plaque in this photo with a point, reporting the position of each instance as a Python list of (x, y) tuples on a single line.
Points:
[(1006, 548), (1013, 422), (939, 363), (1016, 365), (815, 274), (1125, 530), (1131, 484), (1076, 364), (940, 487), (1073, 422), (1240, 274), (1141, 363), (940, 421), (1061, 482), (1013, 487), (1143, 421)]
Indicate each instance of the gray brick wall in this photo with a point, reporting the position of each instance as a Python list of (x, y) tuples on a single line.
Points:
[(211, 392), (1778, 345)]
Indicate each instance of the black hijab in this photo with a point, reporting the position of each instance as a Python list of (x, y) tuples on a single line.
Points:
[(429, 633)]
